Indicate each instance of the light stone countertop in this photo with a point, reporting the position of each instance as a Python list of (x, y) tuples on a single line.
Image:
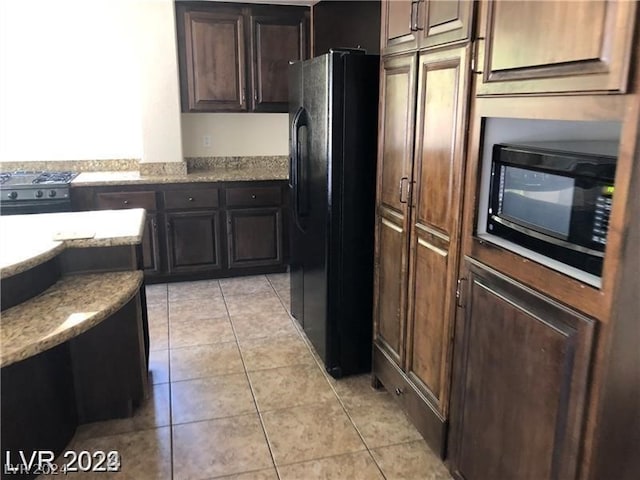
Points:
[(29, 240), (70, 307), (241, 174)]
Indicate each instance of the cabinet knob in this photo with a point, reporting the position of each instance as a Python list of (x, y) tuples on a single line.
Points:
[(191, 199), (253, 196), (399, 391), (126, 202)]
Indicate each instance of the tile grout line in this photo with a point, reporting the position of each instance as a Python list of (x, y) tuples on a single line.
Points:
[(253, 394)]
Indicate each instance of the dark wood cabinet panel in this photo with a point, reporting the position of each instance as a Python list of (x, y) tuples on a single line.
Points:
[(538, 47), (119, 200), (419, 197), (254, 237), (254, 196), (399, 21), (276, 39), (150, 246), (193, 241), (390, 280), (521, 372), (442, 22), (191, 198), (396, 132), (213, 59), (424, 24)]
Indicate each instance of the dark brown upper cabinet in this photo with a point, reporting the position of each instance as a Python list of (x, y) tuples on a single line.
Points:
[(276, 39), (555, 47), (234, 57), (407, 25)]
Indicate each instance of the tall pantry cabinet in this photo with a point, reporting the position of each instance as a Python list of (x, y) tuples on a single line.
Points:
[(423, 114)]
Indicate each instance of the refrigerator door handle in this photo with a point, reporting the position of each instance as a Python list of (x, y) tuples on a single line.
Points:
[(297, 181)]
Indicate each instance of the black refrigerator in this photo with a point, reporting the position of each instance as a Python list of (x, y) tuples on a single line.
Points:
[(333, 111)]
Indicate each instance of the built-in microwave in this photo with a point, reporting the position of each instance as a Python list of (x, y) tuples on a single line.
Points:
[(554, 198)]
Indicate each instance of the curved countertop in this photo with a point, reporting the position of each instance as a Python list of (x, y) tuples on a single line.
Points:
[(29, 240), (70, 307)]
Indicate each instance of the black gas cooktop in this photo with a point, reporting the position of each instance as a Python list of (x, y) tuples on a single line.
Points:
[(35, 192), (22, 178)]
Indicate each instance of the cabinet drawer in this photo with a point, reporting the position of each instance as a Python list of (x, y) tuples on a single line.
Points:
[(204, 198), (118, 200), (253, 196)]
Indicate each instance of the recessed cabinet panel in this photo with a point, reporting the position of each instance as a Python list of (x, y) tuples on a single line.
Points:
[(275, 42), (556, 46), (439, 167), (523, 369), (430, 329), (193, 241), (398, 22), (445, 22), (396, 130), (150, 247), (215, 62), (390, 284), (254, 237)]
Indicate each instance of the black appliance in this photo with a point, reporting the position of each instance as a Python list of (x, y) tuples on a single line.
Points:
[(23, 192), (554, 198), (333, 108)]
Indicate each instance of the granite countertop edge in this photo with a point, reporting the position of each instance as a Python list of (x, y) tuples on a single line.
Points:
[(125, 285), (132, 177)]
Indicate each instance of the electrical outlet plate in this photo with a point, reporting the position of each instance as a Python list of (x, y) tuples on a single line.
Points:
[(206, 140)]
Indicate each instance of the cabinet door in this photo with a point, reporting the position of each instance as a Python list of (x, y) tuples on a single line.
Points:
[(213, 60), (276, 39), (399, 25), (150, 247), (254, 237), (442, 22), (522, 363), (395, 154), (193, 241), (435, 219), (556, 46)]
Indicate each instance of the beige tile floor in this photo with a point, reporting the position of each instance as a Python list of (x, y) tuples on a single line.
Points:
[(238, 394)]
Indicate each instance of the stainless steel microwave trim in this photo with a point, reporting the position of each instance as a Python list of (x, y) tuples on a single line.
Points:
[(546, 238)]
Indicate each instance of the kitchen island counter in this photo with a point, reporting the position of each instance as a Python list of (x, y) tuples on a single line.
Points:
[(30, 240)]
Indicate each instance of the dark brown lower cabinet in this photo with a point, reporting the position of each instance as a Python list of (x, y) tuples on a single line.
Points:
[(520, 381), (202, 230), (193, 241), (254, 237)]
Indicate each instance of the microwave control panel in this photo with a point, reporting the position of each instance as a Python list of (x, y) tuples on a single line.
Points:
[(601, 220)]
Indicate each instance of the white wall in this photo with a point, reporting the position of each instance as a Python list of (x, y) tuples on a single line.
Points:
[(92, 79), (235, 134), (160, 84)]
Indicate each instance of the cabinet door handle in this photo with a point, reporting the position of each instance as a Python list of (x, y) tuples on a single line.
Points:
[(399, 391), (126, 202), (191, 199), (401, 189), (253, 196), (415, 14), (154, 225)]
